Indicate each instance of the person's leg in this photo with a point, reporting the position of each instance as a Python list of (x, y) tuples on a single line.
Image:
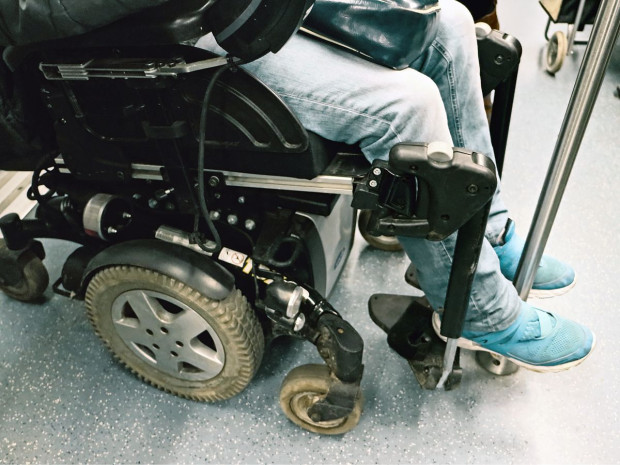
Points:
[(346, 99), (452, 63)]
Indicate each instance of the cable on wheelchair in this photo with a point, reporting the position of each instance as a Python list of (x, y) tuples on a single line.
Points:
[(33, 191), (231, 64)]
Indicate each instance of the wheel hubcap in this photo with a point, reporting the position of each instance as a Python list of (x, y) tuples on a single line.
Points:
[(167, 334)]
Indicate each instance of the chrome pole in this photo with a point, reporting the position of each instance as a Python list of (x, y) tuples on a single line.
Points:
[(598, 53), (575, 27)]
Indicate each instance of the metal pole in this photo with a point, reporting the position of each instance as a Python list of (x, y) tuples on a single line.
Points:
[(575, 27), (598, 53)]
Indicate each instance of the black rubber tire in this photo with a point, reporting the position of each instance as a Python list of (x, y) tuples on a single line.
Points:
[(34, 282), (387, 243), (233, 321), (300, 390)]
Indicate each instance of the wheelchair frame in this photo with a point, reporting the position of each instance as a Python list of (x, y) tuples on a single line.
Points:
[(117, 226)]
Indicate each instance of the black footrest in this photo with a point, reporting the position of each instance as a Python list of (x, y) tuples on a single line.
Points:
[(408, 323)]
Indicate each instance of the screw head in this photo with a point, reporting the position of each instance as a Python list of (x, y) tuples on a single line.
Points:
[(372, 183), (376, 171), (472, 188), (232, 219), (250, 225), (214, 181)]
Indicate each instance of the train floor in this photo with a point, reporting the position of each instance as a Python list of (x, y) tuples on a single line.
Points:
[(64, 399)]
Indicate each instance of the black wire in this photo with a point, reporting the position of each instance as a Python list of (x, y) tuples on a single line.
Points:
[(33, 192), (201, 158)]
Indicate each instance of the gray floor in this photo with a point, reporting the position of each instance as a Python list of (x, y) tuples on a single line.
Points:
[(64, 400)]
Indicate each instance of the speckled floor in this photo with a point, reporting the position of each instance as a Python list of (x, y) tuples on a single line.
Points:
[(63, 399)]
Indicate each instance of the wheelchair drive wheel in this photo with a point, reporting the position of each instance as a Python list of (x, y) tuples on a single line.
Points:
[(556, 51), (302, 388), (34, 278), (387, 243), (173, 336)]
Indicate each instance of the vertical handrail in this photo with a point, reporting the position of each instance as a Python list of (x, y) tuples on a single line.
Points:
[(589, 79), (575, 27)]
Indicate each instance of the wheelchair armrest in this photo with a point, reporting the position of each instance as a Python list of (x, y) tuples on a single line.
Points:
[(425, 190)]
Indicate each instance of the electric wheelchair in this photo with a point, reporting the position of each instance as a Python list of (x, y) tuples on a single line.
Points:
[(209, 220)]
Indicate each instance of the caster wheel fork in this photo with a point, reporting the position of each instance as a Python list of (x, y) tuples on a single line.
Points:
[(323, 399)]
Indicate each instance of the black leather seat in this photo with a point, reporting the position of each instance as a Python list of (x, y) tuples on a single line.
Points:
[(128, 121)]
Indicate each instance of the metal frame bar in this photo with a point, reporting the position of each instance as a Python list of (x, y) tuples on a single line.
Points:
[(589, 79), (573, 29)]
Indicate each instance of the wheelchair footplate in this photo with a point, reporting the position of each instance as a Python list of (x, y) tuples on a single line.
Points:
[(407, 322)]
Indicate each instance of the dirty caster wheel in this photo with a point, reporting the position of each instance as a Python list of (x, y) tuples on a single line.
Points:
[(556, 51), (387, 243), (173, 336), (34, 278), (302, 388)]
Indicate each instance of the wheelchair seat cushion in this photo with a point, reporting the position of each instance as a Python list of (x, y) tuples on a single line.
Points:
[(306, 164)]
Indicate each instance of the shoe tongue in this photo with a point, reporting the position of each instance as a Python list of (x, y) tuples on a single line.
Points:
[(539, 324)]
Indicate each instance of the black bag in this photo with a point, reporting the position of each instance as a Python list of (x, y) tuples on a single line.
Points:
[(565, 11), (390, 32)]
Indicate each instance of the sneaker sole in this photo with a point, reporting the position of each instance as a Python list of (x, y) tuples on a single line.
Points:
[(470, 345), (548, 293)]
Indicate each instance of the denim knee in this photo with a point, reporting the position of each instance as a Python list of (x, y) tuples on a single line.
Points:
[(413, 105)]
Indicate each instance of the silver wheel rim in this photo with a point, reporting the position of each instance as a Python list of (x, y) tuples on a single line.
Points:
[(168, 335)]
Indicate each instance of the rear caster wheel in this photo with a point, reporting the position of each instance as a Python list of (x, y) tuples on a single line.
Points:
[(302, 388), (174, 337), (33, 282), (387, 243), (556, 51)]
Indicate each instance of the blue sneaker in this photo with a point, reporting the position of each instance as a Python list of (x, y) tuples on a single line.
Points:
[(538, 341), (552, 277)]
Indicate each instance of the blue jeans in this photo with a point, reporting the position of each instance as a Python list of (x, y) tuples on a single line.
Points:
[(348, 99)]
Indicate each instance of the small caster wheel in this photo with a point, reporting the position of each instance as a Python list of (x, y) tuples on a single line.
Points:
[(302, 388), (387, 243), (34, 279), (556, 51)]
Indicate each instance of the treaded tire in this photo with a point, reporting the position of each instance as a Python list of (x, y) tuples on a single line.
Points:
[(231, 322), (301, 388)]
